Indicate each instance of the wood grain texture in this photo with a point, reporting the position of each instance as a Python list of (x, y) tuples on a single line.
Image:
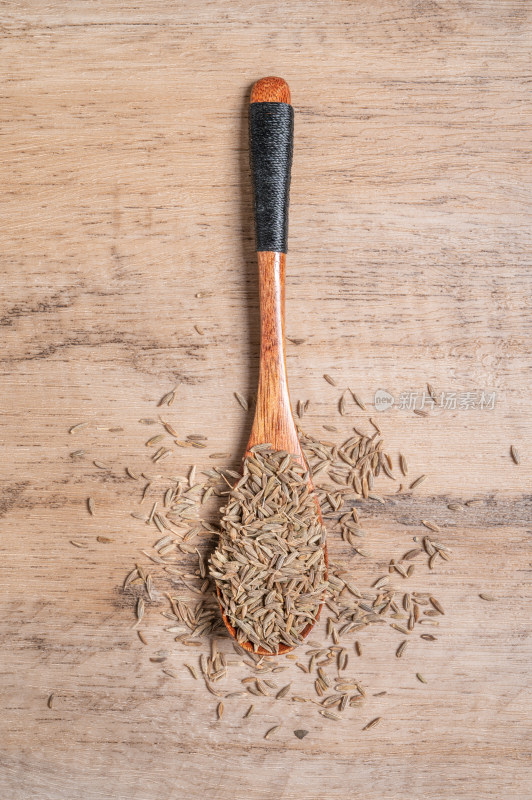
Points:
[(126, 220)]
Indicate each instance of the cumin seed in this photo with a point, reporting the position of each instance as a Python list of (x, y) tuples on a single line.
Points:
[(242, 401), (372, 724)]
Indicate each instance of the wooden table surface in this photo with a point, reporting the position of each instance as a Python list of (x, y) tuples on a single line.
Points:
[(126, 221)]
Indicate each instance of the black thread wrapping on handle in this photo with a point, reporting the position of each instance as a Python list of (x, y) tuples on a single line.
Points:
[(271, 131)]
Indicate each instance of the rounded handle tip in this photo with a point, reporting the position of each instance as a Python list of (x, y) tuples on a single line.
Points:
[(270, 90)]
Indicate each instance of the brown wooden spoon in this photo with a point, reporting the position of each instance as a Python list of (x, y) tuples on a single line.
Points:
[(271, 137)]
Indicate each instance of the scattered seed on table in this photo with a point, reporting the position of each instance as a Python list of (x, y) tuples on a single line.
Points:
[(410, 554), (192, 671), (358, 648), (283, 692), (104, 539), (329, 714), (140, 609), (378, 431), (242, 400), (330, 380), (77, 543), (399, 628), (437, 605), (130, 578), (515, 455), (372, 724), (249, 712), (168, 399), (420, 677), (78, 427), (142, 638), (220, 710), (199, 330), (357, 400), (454, 506), (90, 505), (418, 481), (50, 700), (485, 596), (342, 407), (155, 440), (271, 731), (401, 649), (171, 673), (169, 428)]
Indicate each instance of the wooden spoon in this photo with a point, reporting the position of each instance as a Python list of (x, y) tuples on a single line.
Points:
[(271, 139)]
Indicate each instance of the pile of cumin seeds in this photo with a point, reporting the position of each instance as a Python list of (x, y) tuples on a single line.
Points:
[(350, 467), (269, 565), (179, 512)]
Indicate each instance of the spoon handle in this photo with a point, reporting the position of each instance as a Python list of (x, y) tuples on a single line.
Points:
[(271, 126), (271, 129)]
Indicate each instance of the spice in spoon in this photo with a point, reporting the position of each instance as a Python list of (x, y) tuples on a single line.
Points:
[(269, 565)]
